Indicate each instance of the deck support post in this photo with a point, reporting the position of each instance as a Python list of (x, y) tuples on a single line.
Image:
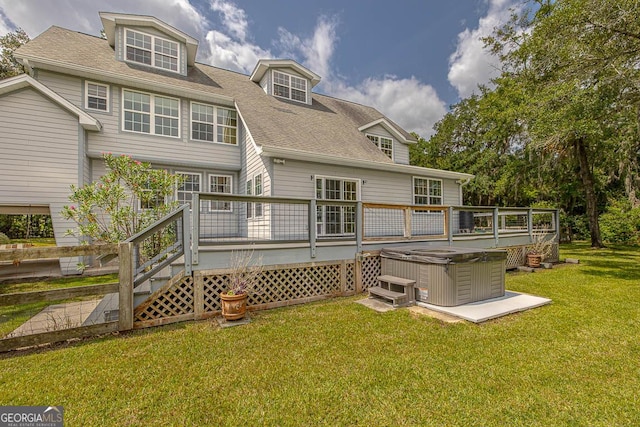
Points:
[(496, 231), (449, 222), (186, 239), (530, 224), (313, 228), (195, 234), (125, 291), (359, 226)]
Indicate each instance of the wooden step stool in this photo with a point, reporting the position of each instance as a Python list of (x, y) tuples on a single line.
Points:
[(398, 290)]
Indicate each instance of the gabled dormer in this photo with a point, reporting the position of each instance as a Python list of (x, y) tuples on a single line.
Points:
[(286, 79), (389, 139), (147, 41)]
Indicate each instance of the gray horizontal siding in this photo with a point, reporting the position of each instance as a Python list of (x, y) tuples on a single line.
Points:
[(39, 162), (295, 179), (166, 149)]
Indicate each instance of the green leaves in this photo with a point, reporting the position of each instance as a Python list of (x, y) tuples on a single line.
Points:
[(9, 67), (128, 198)]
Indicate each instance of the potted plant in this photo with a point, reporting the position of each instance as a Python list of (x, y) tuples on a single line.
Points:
[(539, 249), (242, 280)]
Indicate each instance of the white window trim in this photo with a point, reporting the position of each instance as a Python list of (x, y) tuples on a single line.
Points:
[(153, 51), (215, 124), (413, 191), (249, 192), (379, 137), (215, 175), (251, 212), (152, 113), (86, 96), (358, 182), (306, 86), (188, 173)]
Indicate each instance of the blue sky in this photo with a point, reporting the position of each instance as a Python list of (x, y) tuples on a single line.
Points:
[(411, 59)]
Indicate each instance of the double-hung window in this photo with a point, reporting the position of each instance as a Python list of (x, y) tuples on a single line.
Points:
[(427, 191), (289, 86), (190, 184), (384, 144), (336, 220), (152, 114), (96, 96), (213, 124), (254, 187), (151, 50), (220, 184)]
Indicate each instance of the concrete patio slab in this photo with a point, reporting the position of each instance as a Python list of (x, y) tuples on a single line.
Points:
[(56, 317), (376, 304), (481, 311)]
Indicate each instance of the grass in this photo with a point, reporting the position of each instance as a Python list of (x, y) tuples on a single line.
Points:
[(574, 362), (37, 241), (13, 316)]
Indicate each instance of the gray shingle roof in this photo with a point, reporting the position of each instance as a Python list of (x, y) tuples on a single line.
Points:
[(329, 126)]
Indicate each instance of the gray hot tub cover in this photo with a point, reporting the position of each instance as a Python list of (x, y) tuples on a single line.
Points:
[(443, 254)]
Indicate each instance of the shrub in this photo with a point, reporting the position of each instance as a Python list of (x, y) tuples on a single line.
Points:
[(620, 223), (4, 239)]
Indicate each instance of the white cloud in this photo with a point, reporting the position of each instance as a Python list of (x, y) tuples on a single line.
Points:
[(471, 64), (411, 103), (316, 51), (35, 16), (232, 49)]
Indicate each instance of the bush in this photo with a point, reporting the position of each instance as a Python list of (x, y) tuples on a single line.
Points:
[(26, 226), (621, 223), (4, 239), (574, 227)]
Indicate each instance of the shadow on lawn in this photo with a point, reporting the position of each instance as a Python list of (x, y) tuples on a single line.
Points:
[(617, 262), (91, 340)]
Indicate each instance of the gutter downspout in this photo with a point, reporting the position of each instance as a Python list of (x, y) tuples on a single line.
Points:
[(462, 183)]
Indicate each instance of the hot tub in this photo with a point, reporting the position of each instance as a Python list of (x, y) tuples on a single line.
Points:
[(448, 276)]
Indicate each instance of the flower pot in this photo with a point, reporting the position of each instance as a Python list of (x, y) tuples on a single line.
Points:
[(234, 307), (534, 260)]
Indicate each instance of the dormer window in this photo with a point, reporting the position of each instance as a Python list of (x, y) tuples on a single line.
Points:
[(289, 86), (151, 50), (384, 144)]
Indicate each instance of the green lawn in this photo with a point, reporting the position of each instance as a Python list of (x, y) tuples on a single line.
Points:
[(574, 362), (13, 316)]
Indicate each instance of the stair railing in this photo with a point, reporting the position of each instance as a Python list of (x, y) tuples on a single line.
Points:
[(160, 244)]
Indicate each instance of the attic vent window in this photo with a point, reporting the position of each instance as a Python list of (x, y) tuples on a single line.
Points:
[(143, 48), (289, 86)]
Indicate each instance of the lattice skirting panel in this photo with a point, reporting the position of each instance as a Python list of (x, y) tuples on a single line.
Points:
[(198, 297), (517, 255), (175, 300), (371, 268)]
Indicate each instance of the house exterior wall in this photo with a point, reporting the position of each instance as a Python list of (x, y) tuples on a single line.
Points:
[(156, 149), (254, 165), (295, 179), (400, 150), (39, 159)]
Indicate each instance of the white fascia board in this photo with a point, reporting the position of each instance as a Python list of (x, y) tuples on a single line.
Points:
[(86, 120), (385, 124), (341, 161), (264, 65), (110, 20), (127, 81)]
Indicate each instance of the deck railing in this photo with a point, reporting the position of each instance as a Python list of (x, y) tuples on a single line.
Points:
[(224, 219)]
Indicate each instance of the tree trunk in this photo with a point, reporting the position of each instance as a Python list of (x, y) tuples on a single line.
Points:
[(590, 192)]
